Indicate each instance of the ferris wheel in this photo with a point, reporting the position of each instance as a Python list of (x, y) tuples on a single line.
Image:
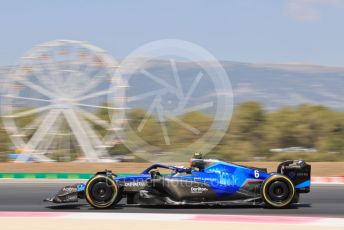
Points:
[(64, 95)]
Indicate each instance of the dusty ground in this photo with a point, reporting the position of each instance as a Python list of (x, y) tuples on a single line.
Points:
[(318, 168)]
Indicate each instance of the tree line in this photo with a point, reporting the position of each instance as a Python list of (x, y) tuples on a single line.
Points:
[(252, 133)]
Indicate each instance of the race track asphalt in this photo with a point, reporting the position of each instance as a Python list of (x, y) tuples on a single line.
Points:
[(323, 200)]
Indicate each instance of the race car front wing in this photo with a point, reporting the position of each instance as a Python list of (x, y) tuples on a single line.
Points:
[(68, 194)]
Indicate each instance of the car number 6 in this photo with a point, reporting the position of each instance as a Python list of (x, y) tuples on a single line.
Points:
[(256, 173)]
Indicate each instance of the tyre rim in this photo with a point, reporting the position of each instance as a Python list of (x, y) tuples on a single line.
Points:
[(278, 191), (101, 192)]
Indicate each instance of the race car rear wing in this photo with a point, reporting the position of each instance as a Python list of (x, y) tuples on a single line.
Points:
[(299, 172)]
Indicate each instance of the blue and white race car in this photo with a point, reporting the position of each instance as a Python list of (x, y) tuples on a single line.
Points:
[(206, 181)]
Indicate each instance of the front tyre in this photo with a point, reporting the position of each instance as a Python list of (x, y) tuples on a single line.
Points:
[(102, 192), (278, 191)]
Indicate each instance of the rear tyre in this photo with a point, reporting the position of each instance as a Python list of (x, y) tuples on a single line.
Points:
[(278, 191), (296, 198), (102, 192)]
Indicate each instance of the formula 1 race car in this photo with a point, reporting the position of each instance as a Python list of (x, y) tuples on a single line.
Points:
[(206, 181)]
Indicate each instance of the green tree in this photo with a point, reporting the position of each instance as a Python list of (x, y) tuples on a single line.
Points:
[(245, 137)]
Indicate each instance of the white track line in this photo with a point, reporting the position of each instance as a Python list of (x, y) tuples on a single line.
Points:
[(241, 219)]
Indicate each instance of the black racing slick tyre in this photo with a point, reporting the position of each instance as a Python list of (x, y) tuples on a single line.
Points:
[(278, 191), (296, 198), (102, 192)]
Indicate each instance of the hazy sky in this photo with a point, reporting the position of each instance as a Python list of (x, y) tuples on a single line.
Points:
[(268, 31)]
